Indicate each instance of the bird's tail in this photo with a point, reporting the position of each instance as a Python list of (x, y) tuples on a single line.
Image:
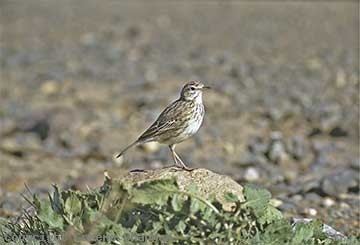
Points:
[(127, 148)]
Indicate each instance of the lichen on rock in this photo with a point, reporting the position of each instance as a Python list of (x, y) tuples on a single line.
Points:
[(208, 184)]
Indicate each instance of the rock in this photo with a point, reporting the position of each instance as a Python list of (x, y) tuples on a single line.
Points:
[(151, 147), (310, 211), (229, 148), (311, 185), (288, 207), (339, 183), (328, 202), (208, 183), (344, 205), (277, 152), (290, 175), (275, 114), (321, 160), (296, 147), (276, 202), (328, 230), (313, 197), (251, 174), (50, 87), (338, 132), (314, 131), (297, 198)]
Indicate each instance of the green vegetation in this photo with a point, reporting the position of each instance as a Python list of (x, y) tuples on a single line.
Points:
[(158, 212)]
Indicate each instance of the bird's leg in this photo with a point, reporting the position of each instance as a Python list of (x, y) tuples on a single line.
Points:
[(172, 147), (181, 162)]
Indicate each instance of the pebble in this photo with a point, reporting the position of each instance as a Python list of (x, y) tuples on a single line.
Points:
[(328, 202), (290, 175), (229, 148), (339, 183), (310, 211), (276, 202), (296, 147), (338, 131), (251, 174), (50, 87), (344, 205), (288, 207), (297, 198), (313, 197), (151, 147), (277, 153)]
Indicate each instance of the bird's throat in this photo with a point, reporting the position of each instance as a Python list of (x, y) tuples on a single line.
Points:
[(198, 99)]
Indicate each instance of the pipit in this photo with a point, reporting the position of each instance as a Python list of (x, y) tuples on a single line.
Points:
[(177, 122)]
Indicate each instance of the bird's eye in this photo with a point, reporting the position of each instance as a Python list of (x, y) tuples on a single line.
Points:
[(192, 88)]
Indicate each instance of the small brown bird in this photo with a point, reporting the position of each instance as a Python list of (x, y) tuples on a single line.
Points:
[(178, 121)]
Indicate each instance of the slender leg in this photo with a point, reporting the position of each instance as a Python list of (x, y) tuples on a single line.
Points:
[(172, 147), (180, 161)]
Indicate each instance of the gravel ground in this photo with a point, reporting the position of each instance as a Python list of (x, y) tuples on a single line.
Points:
[(80, 81)]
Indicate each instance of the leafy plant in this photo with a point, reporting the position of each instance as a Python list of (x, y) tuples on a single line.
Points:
[(158, 212)]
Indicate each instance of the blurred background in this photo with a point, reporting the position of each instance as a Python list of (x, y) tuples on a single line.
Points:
[(81, 80)]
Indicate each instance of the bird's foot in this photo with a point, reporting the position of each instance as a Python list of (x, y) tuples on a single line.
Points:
[(183, 167), (187, 168)]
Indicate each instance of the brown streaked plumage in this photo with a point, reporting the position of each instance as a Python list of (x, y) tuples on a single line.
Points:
[(177, 122)]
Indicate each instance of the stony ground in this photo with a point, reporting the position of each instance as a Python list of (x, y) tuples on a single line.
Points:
[(81, 81)]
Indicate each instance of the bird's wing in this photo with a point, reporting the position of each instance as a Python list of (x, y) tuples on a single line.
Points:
[(167, 120)]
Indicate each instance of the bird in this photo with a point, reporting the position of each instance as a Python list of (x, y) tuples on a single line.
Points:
[(177, 122)]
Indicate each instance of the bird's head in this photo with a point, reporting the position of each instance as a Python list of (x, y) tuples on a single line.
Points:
[(193, 90)]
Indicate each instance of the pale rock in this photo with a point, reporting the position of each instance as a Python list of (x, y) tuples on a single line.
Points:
[(151, 147), (50, 87), (328, 202), (251, 174)]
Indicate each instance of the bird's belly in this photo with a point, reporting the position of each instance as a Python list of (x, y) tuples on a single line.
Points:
[(192, 127), (189, 131)]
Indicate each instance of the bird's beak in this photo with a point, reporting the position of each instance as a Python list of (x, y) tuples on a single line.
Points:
[(206, 87)]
